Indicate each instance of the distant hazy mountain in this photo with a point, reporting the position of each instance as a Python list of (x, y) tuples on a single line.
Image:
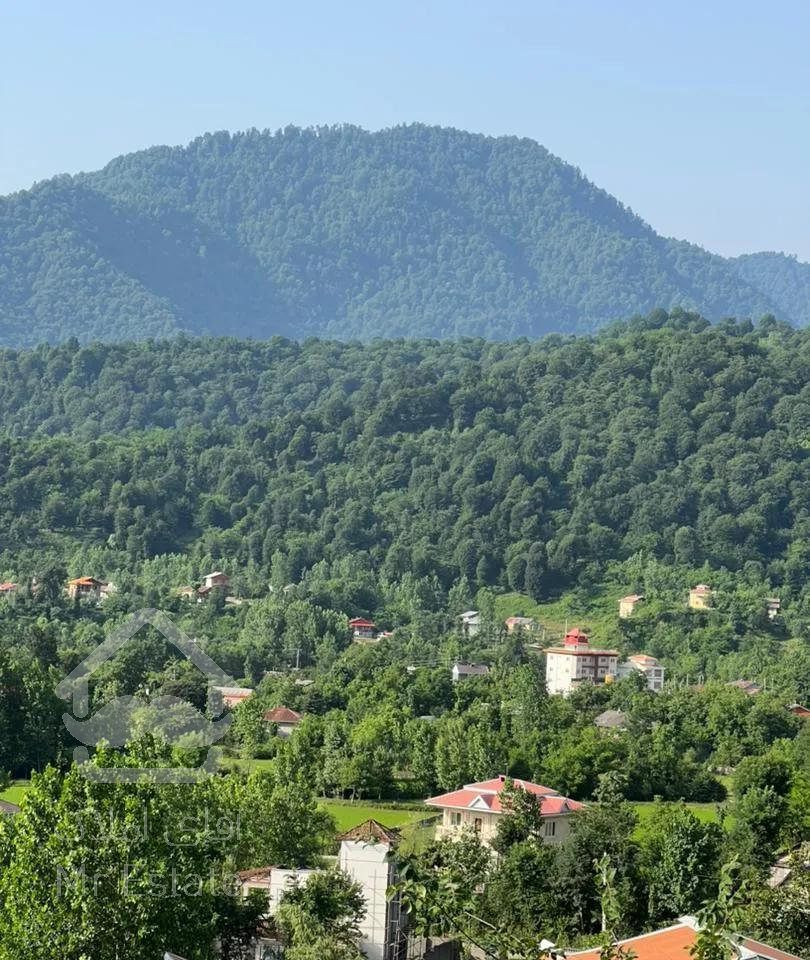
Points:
[(784, 280), (414, 231)]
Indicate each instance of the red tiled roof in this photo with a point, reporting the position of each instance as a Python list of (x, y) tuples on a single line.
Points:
[(282, 715), (5, 587), (633, 597), (673, 943), (360, 622), (798, 710), (488, 793), (85, 581)]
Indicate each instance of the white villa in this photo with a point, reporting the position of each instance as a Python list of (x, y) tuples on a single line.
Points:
[(478, 806)]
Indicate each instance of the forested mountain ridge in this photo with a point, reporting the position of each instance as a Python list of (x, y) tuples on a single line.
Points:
[(523, 465), (412, 231), (786, 280)]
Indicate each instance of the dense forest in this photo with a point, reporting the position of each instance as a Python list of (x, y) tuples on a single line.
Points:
[(334, 231), (527, 465), (410, 481)]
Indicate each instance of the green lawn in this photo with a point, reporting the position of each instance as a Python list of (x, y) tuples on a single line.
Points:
[(15, 792), (348, 815), (706, 812)]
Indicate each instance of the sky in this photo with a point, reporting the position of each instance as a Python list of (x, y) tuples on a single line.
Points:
[(696, 115)]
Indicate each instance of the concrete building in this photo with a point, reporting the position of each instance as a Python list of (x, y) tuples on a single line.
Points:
[(648, 667), (529, 624), (470, 622), (700, 597), (462, 671), (628, 604), (366, 856), (477, 806), (576, 662)]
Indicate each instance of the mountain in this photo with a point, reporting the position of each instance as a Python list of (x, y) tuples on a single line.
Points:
[(785, 280), (335, 231)]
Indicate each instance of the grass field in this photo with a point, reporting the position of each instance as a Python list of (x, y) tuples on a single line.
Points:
[(15, 792), (348, 815), (705, 812), (594, 611)]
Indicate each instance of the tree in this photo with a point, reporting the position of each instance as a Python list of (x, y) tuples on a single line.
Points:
[(679, 861), (717, 918), (320, 918)]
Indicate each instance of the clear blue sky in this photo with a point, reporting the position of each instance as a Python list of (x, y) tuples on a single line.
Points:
[(696, 114)]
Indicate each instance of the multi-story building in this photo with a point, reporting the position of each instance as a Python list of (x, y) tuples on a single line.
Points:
[(477, 806), (648, 667), (576, 662)]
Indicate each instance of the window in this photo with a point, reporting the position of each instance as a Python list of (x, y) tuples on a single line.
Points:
[(455, 819), (550, 828), (479, 823)]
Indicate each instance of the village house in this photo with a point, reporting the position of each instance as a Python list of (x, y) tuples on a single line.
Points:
[(462, 671), (773, 605), (751, 687), (611, 720), (8, 809), (799, 710), (700, 597), (675, 943), (7, 589), (648, 667), (89, 588), (282, 720), (528, 624), (231, 696), (365, 856), (576, 662), (470, 622), (362, 629), (215, 579), (628, 604), (477, 806)]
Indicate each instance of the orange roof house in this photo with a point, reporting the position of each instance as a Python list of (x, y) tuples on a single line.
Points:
[(89, 587), (283, 719), (674, 943)]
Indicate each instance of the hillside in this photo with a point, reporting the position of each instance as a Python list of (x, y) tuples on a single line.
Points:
[(785, 280), (528, 466), (414, 231)]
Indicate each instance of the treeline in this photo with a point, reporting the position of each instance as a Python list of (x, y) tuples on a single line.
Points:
[(522, 465)]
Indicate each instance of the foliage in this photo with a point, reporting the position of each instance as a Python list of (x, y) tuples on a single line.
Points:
[(334, 231)]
